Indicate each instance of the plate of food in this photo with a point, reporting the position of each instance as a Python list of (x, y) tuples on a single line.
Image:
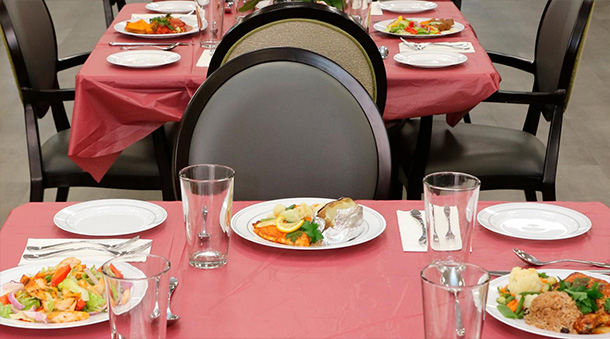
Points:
[(554, 303), (419, 27), (423, 59), (407, 6), (49, 294), (534, 221), (172, 6), (308, 223), (161, 27)]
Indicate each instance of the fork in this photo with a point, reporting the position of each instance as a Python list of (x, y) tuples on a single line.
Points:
[(163, 48), (114, 252), (449, 235), (416, 214), (111, 247)]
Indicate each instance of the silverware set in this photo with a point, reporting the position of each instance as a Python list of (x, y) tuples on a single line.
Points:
[(416, 214), (69, 246), (421, 45)]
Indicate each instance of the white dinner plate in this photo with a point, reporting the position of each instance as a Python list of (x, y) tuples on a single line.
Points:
[(493, 294), (109, 217), (15, 273), (407, 6), (263, 4), (171, 6), (189, 20), (381, 25), (241, 223), (430, 59), (143, 58), (534, 221)]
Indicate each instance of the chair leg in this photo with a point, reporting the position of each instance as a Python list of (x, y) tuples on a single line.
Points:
[(548, 193), (36, 191), (467, 118), (420, 159), (530, 195), (163, 163), (62, 194)]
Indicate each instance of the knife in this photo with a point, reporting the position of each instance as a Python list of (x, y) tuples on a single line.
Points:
[(113, 43), (499, 273)]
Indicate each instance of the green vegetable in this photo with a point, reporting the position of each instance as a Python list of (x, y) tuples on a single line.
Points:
[(506, 312), (291, 207), (309, 228), (583, 296), (5, 310), (542, 275), (519, 310), (28, 302), (95, 303), (607, 304), (72, 285), (163, 21), (248, 6), (501, 300)]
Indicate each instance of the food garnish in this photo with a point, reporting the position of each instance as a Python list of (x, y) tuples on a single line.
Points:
[(427, 27), (158, 25)]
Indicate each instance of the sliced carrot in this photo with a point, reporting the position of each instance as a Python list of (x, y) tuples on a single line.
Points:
[(308, 218), (544, 281), (513, 305)]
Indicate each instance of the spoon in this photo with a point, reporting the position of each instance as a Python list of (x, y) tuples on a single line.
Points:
[(530, 259), (384, 52), (163, 48), (171, 318), (451, 277)]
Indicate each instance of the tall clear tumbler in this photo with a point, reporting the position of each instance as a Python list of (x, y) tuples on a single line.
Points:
[(207, 200), (136, 291), (450, 200), (454, 301), (359, 11), (210, 14)]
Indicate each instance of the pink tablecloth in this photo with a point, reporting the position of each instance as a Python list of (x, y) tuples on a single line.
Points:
[(368, 291), (115, 106)]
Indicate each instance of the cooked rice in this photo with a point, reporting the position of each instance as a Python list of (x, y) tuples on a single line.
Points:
[(553, 311)]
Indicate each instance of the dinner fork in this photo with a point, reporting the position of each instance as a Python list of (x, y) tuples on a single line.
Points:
[(416, 214), (163, 48), (111, 247), (449, 235), (114, 252)]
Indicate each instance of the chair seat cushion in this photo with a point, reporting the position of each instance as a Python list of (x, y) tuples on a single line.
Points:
[(478, 149), (137, 159)]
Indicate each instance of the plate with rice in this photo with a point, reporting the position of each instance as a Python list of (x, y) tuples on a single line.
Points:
[(545, 319)]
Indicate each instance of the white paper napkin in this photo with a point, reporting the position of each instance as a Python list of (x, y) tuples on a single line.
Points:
[(410, 231), (77, 253), (148, 16), (375, 9), (437, 48), (204, 59)]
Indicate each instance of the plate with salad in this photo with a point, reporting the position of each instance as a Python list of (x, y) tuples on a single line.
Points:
[(419, 27), (555, 303), (54, 294)]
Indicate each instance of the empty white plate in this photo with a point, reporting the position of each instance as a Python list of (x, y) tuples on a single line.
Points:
[(407, 6), (534, 221), (109, 217), (430, 59), (171, 6), (143, 58)]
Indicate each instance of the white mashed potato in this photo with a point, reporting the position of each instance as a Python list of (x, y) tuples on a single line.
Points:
[(526, 280)]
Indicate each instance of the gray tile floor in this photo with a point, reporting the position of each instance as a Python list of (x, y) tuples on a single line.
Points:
[(501, 25)]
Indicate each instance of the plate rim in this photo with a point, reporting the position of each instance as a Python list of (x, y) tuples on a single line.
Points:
[(491, 309), (384, 5), (581, 231), (360, 239), (175, 55), (462, 58), (119, 27), (159, 4), (380, 25), (41, 326), (158, 221)]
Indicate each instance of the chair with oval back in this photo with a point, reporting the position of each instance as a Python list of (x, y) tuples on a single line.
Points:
[(291, 123), (32, 50), (505, 158)]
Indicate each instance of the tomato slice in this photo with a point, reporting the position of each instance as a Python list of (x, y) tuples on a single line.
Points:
[(60, 274)]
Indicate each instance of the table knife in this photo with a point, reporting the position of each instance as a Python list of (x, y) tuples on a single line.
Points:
[(113, 43), (500, 273)]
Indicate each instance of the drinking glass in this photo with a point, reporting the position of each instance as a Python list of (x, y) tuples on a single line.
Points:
[(210, 13), (454, 300), (238, 15), (450, 200), (136, 292), (207, 200), (360, 11)]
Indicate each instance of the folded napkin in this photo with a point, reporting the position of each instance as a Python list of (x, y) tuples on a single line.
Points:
[(204, 59), (437, 48), (375, 9), (410, 231), (77, 253), (191, 17)]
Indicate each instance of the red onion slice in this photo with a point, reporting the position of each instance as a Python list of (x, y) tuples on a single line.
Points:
[(14, 302)]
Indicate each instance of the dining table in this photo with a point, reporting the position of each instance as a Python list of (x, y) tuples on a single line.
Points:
[(370, 290), (117, 106)]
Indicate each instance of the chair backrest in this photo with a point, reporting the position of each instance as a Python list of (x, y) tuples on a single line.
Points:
[(108, 11), (563, 27), (318, 28), (291, 123)]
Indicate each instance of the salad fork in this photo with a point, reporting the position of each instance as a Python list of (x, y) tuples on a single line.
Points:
[(416, 214), (449, 235), (110, 247), (113, 252)]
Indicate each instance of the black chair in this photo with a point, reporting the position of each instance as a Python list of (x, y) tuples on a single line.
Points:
[(290, 122), (505, 158), (301, 25), (32, 49), (109, 11)]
